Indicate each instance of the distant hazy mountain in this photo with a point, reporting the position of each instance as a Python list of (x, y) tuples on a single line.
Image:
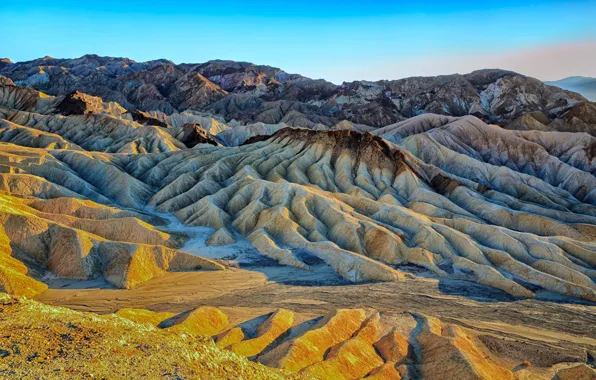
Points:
[(583, 85)]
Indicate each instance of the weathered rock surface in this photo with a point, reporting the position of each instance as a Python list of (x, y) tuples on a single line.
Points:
[(89, 190), (342, 345), (203, 321), (125, 251), (352, 358), (456, 196), (254, 93), (24, 98), (193, 134), (277, 324), (19, 135), (145, 118), (354, 172), (4, 81), (347, 345), (51, 342), (385, 372), (78, 103), (310, 347), (13, 273), (579, 372), (393, 348), (223, 236), (229, 337), (101, 133), (447, 352)]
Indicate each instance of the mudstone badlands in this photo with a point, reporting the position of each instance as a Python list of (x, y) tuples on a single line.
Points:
[(227, 220)]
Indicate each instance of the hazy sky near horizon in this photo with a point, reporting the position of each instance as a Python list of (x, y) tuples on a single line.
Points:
[(335, 40)]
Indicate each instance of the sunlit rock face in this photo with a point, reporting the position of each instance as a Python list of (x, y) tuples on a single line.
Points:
[(81, 240), (53, 342), (78, 103), (342, 344)]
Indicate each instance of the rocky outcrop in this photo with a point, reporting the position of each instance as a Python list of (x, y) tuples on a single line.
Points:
[(254, 93), (203, 321), (229, 337), (352, 358), (212, 124), (4, 81), (276, 325), (145, 118), (448, 352), (446, 198), (78, 103), (393, 348), (579, 372), (25, 99), (359, 344), (99, 133), (13, 273), (124, 251), (249, 133), (223, 236), (193, 134), (579, 118), (51, 342), (310, 348), (194, 91)]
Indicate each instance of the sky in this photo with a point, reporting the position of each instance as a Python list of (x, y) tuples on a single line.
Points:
[(335, 40)]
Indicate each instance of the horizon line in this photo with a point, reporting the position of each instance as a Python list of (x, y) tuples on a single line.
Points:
[(48, 57)]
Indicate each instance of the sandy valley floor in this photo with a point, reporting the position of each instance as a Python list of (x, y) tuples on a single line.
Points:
[(543, 330)]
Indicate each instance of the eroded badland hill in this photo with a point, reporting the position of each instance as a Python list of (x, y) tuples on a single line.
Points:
[(228, 220)]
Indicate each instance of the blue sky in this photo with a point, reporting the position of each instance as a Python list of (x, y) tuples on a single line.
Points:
[(335, 40)]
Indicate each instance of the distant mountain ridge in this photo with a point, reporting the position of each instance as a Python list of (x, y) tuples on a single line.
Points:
[(582, 85), (370, 236), (250, 93)]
